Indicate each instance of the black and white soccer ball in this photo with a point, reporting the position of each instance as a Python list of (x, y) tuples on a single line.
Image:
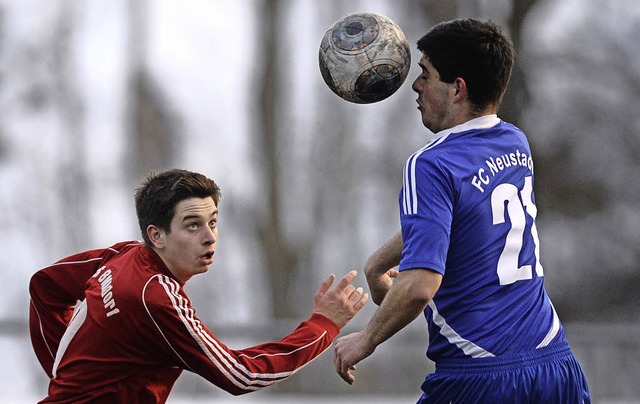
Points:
[(364, 57)]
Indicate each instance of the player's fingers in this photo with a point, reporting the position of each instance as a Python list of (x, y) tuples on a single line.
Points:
[(393, 273), (360, 303), (349, 290), (337, 359), (346, 280), (355, 294), (324, 286), (342, 368), (346, 374)]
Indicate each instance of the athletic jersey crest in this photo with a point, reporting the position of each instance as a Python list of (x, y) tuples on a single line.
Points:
[(467, 210)]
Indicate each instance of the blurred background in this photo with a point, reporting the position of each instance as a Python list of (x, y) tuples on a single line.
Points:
[(95, 94)]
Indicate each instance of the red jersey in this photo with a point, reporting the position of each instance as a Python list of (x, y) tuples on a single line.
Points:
[(134, 331)]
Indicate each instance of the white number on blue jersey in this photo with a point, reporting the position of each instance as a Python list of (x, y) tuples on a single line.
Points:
[(508, 269)]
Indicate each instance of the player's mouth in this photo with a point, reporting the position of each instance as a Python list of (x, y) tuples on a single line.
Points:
[(207, 258)]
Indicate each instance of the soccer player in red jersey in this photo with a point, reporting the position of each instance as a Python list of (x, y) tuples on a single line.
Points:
[(115, 324)]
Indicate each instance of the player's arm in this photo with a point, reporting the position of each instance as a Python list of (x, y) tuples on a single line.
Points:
[(379, 268), (407, 298), (54, 292), (189, 344)]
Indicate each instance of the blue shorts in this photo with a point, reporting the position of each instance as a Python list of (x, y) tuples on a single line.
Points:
[(547, 375)]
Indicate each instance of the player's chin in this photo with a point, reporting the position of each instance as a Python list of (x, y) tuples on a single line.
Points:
[(200, 269)]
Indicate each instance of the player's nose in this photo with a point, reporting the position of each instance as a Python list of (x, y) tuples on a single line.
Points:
[(415, 86), (210, 235)]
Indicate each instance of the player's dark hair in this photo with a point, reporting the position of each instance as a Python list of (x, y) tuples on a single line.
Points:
[(156, 198), (476, 51)]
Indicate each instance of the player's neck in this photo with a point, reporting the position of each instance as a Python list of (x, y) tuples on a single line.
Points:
[(468, 114)]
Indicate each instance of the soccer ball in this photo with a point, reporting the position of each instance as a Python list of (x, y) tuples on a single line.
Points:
[(364, 57)]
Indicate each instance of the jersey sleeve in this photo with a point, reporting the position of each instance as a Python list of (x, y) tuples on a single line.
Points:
[(180, 335), (426, 211), (54, 292)]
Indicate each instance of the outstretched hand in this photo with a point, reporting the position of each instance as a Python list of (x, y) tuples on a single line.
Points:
[(342, 302)]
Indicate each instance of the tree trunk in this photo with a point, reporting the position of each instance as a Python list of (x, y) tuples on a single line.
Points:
[(281, 261)]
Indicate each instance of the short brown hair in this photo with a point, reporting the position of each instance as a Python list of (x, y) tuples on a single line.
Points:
[(476, 51)]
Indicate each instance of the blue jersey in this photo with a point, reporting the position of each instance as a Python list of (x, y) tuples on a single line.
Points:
[(468, 212)]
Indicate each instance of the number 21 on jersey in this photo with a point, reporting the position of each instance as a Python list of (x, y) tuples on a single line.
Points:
[(509, 270)]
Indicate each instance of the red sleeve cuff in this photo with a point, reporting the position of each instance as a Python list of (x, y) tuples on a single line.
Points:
[(325, 323)]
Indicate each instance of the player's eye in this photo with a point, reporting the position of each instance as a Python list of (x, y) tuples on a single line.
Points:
[(193, 226), (213, 224)]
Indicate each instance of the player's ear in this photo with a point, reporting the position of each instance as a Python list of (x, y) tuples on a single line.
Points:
[(156, 236), (460, 88)]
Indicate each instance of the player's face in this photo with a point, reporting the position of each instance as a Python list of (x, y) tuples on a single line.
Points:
[(190, 245), (434, 98)]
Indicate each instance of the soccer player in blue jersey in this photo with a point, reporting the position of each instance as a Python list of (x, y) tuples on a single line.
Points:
[(468, 251)]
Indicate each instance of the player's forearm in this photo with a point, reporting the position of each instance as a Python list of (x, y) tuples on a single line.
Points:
[(403, 303), (390, 320), (385, 257), (254, 368), (379, 287)]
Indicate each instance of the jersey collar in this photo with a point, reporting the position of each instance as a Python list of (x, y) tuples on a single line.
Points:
[(483, 122)]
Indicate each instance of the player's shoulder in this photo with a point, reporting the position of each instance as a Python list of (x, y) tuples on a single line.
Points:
[(120, 248), (469, 140), (123, 246), (433, 153), (137, 264), (161, 292), (120, 251), (161, 285)]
